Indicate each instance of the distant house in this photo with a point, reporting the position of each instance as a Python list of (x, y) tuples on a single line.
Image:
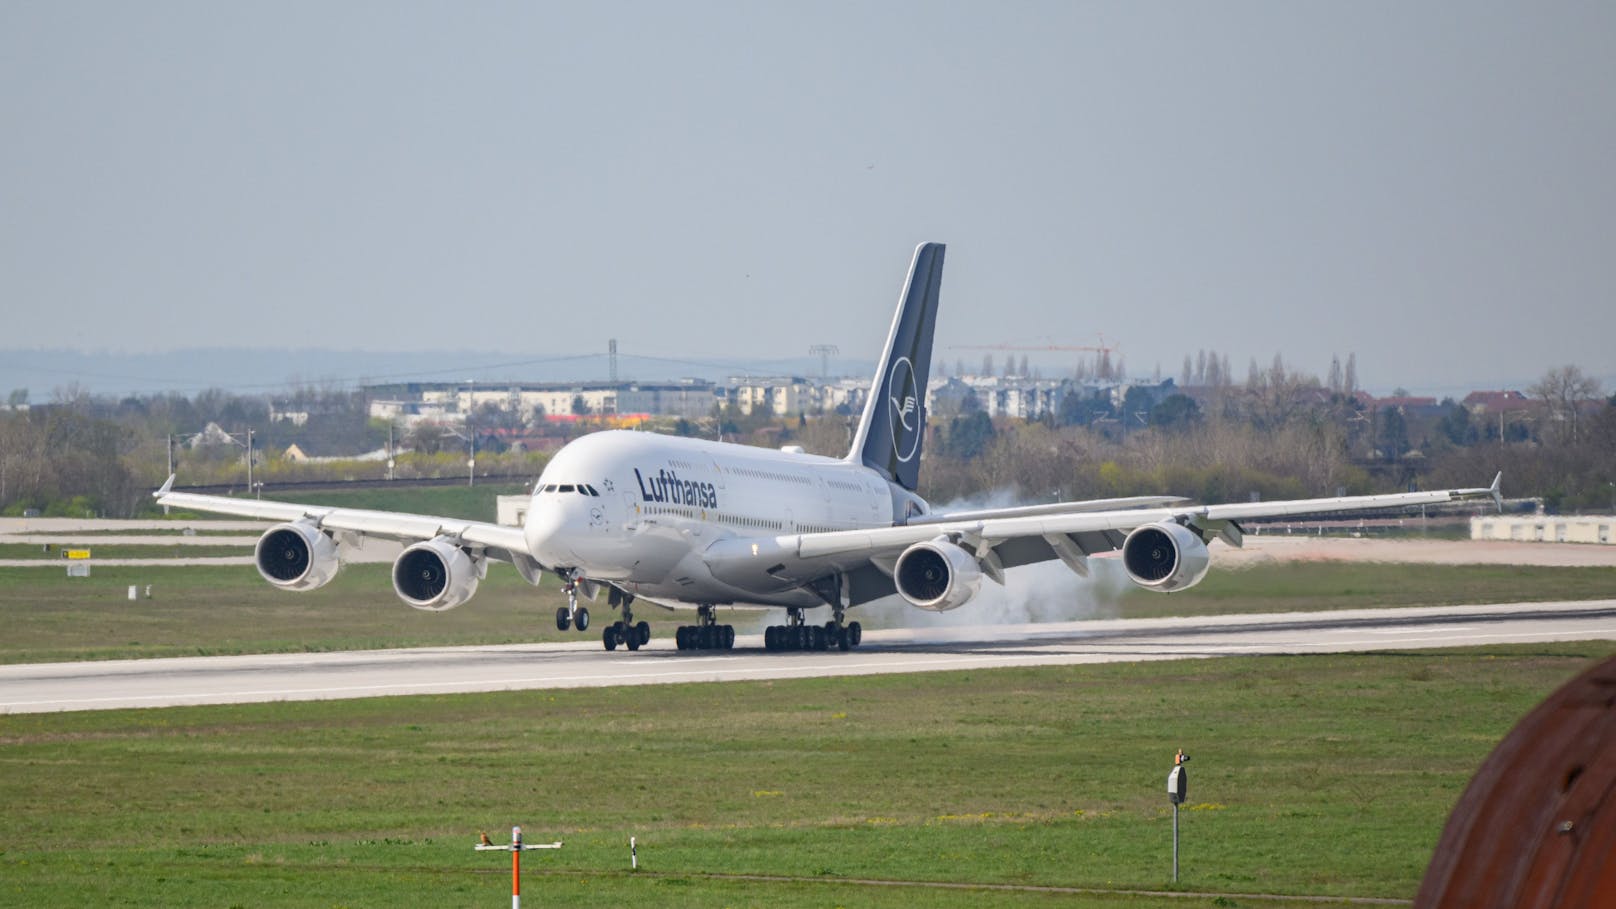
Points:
[(1487, 403), (212, 434)]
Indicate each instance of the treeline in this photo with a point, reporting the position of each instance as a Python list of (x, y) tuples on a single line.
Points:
[(1279, 434)]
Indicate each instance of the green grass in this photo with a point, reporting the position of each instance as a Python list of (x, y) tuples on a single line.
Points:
[(1315, 586), (474, 503), (219, 610), (111, 549), (1312, 775)]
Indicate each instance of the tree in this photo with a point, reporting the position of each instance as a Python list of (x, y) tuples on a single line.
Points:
[(1349, 380), (1176, 412), (1393, 433), (427, 438), (1563, 392), (969, 435), (1456, 425), (18, 397), (1335, 379), (580, 407)]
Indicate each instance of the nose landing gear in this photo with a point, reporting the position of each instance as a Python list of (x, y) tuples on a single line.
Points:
[(572, 614)]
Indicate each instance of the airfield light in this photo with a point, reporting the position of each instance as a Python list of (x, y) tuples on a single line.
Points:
[(516, 848)]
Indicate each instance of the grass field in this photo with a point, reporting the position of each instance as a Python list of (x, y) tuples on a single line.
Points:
[(475, 503), (1315, 775), (218, 610)]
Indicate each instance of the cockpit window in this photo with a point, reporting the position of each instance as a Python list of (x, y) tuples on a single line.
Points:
[(589, 490), (548, 487), (564, 487)]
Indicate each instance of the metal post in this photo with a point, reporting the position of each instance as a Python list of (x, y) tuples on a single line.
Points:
[(1175, 844), (249, 462)]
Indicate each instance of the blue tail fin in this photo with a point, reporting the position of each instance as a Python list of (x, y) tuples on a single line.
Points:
[(894, 425)]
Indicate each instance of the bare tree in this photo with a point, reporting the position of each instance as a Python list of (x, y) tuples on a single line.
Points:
[(1562, 392)]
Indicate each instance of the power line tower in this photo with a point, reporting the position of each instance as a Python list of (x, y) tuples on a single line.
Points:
[(611, 356), (824, 352)]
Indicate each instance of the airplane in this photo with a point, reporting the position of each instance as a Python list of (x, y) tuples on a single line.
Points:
[(690, 522)]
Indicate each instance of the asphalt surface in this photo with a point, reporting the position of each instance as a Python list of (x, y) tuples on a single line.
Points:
[(46, 687)]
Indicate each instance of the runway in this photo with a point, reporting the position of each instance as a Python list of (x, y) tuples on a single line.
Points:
[(48, 687)]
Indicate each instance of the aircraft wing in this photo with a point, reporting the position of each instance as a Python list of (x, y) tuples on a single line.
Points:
[(1012, 537), (500, 542)]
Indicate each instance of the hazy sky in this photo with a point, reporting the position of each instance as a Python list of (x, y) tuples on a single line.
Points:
[(1430, 185)]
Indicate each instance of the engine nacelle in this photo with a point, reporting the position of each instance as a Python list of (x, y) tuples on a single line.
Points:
[(937, 575), (436, 575), (1165, 557), (297, 556)]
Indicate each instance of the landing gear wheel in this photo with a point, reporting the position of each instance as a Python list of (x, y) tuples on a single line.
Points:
[(844, 639), (818, 638), (582, 619), (643, 632), (562, 620), (729, 637), (609, 637), (855, 633), (681, 637)]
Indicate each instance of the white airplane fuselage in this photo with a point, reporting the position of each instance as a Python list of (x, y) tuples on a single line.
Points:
[(638, 510)]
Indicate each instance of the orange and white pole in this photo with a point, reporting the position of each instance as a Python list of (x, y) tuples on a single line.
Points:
[(516, 868), (515, 849)]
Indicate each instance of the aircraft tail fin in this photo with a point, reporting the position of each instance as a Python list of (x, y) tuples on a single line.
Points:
[(893, 427)]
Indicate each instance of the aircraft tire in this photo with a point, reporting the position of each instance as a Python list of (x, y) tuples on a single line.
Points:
[(729, 637), (643, 632), (818, 635), (562, 622), (681, 637), (769, 639), (583, 619), (609, 638), (844, 640), (855, 633)]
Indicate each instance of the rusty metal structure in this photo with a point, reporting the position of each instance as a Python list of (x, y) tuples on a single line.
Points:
[(1537, 826)]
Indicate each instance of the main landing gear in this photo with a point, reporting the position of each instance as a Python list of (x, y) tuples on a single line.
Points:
[(706, 634), (625, 632), (796, 635), (572, 614)]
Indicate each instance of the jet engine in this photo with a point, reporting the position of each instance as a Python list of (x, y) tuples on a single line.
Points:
[(436, 575), (1165, 557), (296, 556), (937, 575)]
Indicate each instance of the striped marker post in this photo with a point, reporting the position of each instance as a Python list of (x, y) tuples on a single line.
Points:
[(516, 848)]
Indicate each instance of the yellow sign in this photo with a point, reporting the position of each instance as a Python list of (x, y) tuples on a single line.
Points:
[(75, 553)]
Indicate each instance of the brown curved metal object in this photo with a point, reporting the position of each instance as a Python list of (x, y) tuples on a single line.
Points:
[(1537, 825)]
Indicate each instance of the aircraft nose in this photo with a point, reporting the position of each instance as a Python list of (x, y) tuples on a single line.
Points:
[(546, 533)]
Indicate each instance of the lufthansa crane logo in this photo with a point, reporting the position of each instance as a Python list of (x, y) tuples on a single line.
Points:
[(903, 401)]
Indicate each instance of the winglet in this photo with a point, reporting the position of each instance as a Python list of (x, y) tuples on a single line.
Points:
[(1496, 491), (166, 488)]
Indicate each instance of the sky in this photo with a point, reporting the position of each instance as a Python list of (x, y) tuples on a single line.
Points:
[(1428, 186)]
